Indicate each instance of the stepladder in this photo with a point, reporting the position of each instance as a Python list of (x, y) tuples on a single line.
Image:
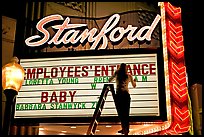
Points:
[(99, 107)]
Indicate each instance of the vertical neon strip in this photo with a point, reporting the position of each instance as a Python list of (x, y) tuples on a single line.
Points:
[(165, 55), (179, 119), (177, 71)]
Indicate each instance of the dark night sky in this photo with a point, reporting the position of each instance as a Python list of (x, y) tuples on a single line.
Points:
[(193, 48), (192, 40)]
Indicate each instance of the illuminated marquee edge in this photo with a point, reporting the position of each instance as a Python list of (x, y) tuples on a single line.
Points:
[(178, 117)]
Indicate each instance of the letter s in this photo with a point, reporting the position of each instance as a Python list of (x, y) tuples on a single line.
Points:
[(40, 27)]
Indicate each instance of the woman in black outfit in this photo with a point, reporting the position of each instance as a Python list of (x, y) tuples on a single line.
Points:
[(122, 97)]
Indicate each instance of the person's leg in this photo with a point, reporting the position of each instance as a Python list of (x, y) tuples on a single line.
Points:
[(125, 114), (119, 107)]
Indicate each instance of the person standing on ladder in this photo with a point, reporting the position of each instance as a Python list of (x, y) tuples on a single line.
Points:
[(122, 96)]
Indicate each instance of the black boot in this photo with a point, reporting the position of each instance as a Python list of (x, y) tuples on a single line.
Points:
[(125, 132), (120, 131)]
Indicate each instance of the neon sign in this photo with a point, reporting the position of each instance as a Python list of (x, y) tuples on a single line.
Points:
[(178, 101), (74, 33)]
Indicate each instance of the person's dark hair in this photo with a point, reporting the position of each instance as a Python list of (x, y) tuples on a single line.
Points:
[(122, 74)]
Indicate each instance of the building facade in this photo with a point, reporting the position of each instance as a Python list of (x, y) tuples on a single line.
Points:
[(110, 30)]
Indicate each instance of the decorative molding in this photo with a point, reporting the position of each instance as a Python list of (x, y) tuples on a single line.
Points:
[(79, 6), (8, 29)]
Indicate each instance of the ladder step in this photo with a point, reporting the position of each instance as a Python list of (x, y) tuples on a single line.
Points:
[(96, 121), (99, 108)]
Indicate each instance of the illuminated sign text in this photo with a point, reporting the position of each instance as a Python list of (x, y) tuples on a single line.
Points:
[(74, 33)]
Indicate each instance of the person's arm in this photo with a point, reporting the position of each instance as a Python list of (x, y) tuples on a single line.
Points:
[(112, 77), (132, 81)]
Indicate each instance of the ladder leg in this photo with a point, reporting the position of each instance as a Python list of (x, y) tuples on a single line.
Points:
[(93, 125)]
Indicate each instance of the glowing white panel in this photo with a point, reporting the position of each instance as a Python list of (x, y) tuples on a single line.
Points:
[(71, 86)]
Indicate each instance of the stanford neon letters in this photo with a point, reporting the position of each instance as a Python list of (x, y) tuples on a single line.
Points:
[(74, 35)]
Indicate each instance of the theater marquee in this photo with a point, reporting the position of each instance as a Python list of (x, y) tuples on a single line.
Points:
[(70, 86)]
